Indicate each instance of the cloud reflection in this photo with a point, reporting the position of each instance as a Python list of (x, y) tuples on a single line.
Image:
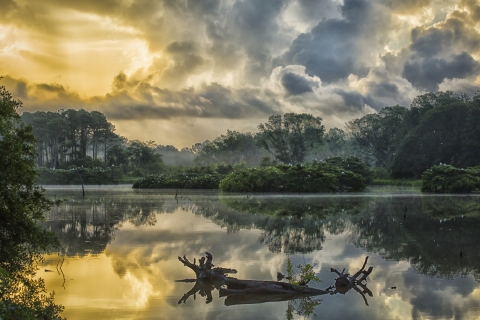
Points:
[(137, 266)]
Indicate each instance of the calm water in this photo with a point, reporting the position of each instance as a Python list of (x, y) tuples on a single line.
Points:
[(120, 249)]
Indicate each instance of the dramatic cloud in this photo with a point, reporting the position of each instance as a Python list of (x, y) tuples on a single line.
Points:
[(428, 73), (337, 47), (200, 65)]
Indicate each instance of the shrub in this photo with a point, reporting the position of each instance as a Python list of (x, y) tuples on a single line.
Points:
[(448, 179), (180, 181), (313, 177), (353, 164)]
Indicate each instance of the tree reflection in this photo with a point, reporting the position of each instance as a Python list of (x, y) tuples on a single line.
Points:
[(436, 240), (302, 307), (297, 304), (239, 292), (437, 235), (88, 226), (203, 288)]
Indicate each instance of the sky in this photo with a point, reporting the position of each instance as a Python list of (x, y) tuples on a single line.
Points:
[(184, 71)]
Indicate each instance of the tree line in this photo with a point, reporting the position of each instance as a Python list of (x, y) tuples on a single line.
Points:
[(400, 142), (79, 138)]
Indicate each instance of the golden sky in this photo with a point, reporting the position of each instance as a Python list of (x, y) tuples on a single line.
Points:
[(182, 71)]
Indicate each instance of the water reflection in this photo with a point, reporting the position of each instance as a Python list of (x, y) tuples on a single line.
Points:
[(438, 235), (139, 234), (303, 306)]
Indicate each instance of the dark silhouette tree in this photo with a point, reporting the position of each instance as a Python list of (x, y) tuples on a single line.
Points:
[(22, 205), (291, 137)]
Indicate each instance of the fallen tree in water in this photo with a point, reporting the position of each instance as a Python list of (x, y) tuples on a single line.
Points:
[(238, 291), (345, 282)]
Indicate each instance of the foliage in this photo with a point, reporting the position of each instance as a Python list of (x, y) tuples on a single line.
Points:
[(267, 162), (190, 181), (193, 178), (143, 157), (448, 179), (97, 175), (380, 173), (67, 135), (312, 177), (303, 307), (229, 149), (22, 297), (304, 275), (378, 133), (353, 164), (337, 141), (290, 138), (446, 134), (86, 139), (22, 205), (173, 156), (438, 127)]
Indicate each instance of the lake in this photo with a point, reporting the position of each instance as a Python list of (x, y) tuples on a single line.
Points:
[(120, 247)]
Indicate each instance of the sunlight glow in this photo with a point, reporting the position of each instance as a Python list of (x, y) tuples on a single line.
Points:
[(11, 41), (424, 16), (140, 291)]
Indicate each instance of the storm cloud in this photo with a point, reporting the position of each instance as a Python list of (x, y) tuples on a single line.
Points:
[(428, 73), (206, 60)]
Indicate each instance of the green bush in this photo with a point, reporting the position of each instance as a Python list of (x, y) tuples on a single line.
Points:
[(353, 164), (312, 177), (448, 179), (179, 181), (380, 173)]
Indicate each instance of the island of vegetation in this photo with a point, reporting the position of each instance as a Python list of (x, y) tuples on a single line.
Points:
[(448, 179)]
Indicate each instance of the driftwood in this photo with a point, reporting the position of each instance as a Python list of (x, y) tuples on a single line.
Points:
[(345, 282), (205, 271), (238, 291)]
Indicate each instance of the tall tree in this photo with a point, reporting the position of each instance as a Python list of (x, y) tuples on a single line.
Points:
[(56, 128), (100, 130), (85, 124), (229, 149), (290, 138), (38, 121), (143, 156), (72, 130), (379, 134), (336, 140), (22, 204), (445, 134)]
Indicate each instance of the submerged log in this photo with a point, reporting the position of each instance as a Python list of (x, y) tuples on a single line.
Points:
[(256, 298), (232, 286), (238, 291), (239, 287)]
